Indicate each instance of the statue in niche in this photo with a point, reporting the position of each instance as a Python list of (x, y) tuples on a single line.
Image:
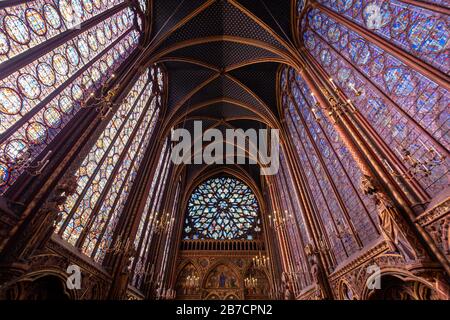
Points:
[(318, 274), (394, 228), (288, 294)]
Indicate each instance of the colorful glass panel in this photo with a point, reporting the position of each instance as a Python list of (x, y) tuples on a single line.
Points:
[(222, 208), (404, 107), (40, 97), (107, 173), (421, 32)]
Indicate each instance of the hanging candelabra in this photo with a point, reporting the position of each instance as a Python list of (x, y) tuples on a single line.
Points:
[(277, 221), (293, 276), (23, 161), (164, 223), (336, 108), (251, 283), (260, 262), (103, 99), (192, 283), (121, 246), (430, 160), (341, 230), (357, 92)]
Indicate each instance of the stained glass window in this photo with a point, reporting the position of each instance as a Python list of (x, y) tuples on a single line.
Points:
[(40, 96), (349, 217), (403, 106), (150, 216), (30, 23), (290, 209), (107, 173), (222, 208), (419, 31)]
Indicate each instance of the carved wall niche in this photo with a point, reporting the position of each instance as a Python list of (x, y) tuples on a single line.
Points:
[(346, 292), (394, 287), (45, 286), (224, 280), (49, 267), (221, 276), (398, 278), (188, 282), (262, 286)]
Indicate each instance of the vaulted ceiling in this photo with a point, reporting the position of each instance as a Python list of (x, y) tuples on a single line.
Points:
[(222, 59)]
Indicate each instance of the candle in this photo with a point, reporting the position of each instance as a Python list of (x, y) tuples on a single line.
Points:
[(424, 145), (435, 151), (351, 105), (388, 165), (332, 83), (398, 152)]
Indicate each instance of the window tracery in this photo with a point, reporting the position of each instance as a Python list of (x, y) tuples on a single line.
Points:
[(106, 175), (38, 98), (222, 208), (407, 110)]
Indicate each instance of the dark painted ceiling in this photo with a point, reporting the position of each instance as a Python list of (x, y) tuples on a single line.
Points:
[(222, 58)]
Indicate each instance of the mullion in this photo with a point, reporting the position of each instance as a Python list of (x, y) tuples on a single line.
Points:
[(325, 135), (39, 106), (147, 212), (317, 180), (118, 197), (105, 155), (155, 207), (24, 58), (127, 143), (382, 93)]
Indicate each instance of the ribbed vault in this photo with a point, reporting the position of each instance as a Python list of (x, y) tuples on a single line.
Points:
[(222, 57)]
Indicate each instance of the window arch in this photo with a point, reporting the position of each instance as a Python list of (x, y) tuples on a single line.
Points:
[(222, 208)]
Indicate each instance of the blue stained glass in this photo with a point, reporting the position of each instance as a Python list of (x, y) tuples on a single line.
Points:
[(419, 31), (222, 208)]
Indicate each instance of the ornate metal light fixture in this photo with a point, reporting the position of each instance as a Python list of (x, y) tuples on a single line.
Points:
[(24, 160), (164, 223), (422, 167), (251, 283), (278, 221), (192, 283), (121, 246), (260, 261), (431, 160), (342, 230), (357, 92), (102, 99)]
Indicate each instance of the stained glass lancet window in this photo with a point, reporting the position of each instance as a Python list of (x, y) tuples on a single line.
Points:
[(147, 225), (53, 55), (407, 110), (419, 31), (348, 216), (222, 208), (106, 174), (290, 209)]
